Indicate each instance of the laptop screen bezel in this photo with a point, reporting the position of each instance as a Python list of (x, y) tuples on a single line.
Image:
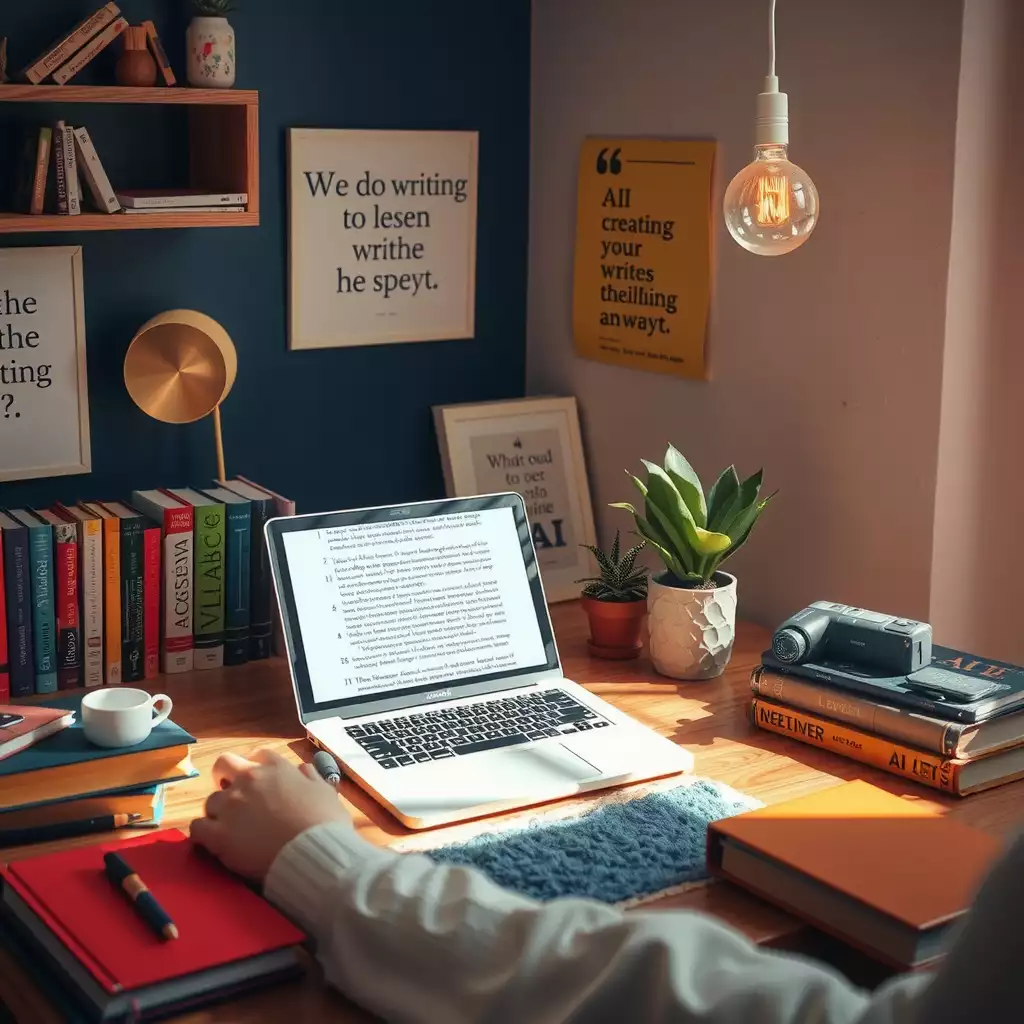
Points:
[(310, 709)]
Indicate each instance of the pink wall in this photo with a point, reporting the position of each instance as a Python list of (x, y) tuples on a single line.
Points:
[(826, 363)]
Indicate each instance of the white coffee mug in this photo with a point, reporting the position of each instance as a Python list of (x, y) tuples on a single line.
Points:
[(118, 716)]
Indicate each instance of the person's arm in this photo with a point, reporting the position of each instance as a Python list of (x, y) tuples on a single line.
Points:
[(416, 942)]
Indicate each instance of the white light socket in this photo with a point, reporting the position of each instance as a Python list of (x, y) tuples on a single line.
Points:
[(771, 125)]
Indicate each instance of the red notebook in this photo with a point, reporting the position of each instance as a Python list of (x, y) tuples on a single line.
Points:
[(220, 920)]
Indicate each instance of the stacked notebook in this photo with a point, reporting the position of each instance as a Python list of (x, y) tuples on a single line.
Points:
[(83, 943), (959, 747), (852, 860), (63, 778)]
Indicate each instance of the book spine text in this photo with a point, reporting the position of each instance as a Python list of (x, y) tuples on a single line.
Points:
[(90, 585), (261, 622), (210, 564), (112, 599), (67, 71), (133, 601), (43, 624), (37, 71), (69, 635), (151, 600), (236, 595), (18, 596)]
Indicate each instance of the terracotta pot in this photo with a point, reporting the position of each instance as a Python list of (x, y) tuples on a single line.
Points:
[(616, 627), (135, 66), (692, 631)]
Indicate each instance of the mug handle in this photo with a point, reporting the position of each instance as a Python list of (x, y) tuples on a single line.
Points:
[(168, 704)]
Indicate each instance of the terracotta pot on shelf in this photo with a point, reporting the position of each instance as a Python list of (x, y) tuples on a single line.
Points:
[(616, 627), (135, 66)]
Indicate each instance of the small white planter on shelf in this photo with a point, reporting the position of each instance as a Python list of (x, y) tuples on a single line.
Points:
[(210, 43), (692, 631)]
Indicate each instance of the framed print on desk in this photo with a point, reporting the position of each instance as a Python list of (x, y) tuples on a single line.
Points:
[(531, 446)]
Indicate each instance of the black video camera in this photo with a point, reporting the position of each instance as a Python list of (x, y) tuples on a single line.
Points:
[(825, 631)]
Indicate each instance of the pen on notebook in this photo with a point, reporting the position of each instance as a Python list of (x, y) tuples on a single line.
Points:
[(66, 829), (143, 900)]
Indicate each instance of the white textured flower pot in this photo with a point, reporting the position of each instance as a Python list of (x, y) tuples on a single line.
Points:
[(692, 631), (210, 43)]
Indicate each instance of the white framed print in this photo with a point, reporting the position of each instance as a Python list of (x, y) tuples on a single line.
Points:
[(44, 394), (531, 446), (381, 236)]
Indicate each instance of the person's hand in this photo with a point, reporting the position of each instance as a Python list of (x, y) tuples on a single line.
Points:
[(261, 806)]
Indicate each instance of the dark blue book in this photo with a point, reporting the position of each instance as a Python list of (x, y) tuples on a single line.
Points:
[(18, 588), (238, 573), (66, 765), (261, 585), (44, 623)]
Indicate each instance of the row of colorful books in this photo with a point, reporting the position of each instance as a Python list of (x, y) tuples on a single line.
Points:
[(79, 46), (959, 748), (70, 151), (118, 591)]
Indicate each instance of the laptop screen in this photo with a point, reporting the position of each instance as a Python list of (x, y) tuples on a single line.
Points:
[(387, 605)]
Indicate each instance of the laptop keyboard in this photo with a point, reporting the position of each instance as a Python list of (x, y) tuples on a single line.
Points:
[(487, 725)]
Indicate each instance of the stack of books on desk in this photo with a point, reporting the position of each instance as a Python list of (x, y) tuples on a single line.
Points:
[(960, 748), (62, 780)]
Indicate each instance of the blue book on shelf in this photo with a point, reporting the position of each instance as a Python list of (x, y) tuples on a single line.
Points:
[(237, 572), (44, 626), (17, 584)]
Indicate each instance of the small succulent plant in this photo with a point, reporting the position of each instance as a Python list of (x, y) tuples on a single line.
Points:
[(620, 579), (213, 8)]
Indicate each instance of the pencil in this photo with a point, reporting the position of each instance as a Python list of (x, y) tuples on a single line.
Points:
[(66, 829), (125, 878)]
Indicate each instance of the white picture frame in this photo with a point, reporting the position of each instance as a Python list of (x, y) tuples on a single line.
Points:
[(44, 427), (381, 236), (479, 455)]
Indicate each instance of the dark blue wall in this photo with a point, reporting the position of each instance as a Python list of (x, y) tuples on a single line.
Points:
[(330, 428)]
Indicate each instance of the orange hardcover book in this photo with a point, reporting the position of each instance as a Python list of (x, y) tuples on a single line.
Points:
[(959, 776), (112, 591), (888, 875)]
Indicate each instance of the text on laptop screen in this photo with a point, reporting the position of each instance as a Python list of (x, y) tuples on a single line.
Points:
[(386, 606)]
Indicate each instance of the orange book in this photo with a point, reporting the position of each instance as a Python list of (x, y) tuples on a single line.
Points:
[(959, 776), (888, 875), (112, 591)]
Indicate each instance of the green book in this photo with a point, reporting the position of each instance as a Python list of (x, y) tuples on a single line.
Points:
[(208, 548), (133, 638), (238, 565)]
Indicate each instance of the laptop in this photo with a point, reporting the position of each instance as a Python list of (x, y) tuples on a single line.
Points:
[(422, 657)]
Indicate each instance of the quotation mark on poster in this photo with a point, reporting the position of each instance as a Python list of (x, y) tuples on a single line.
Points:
[(604, 165)]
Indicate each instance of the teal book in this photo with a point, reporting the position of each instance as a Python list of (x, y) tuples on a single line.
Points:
[(44, 623), (237, 572), (133, 592)]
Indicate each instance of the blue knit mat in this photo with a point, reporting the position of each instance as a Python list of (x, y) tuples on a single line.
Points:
[(619, 848)]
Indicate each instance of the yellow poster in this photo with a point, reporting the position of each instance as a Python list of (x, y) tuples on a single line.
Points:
[(642, 277)]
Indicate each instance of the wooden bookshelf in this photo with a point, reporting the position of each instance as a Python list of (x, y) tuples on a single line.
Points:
[(223, 139)]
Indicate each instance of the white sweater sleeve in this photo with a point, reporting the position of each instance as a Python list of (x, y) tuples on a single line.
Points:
[(416, 942)]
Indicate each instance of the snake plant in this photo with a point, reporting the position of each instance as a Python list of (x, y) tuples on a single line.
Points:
[(692, 534)]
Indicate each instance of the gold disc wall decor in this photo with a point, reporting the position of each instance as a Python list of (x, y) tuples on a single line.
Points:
[(179, 367)]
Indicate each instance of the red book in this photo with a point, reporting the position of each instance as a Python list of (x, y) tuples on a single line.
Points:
[(65, 581), (5, 671), (151, 599), (97, 942)]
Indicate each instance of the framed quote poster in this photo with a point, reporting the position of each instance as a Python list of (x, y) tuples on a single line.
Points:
[(531, 446), (382, 236), (44, 403)]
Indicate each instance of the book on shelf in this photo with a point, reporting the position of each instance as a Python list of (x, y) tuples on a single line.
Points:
[(90, 167), (96, 45), (959, 776), (70, 43), (282, 507), (890, 876), (177, 523), (209, 567), (17, 583), (238, 542), (151, 598), (112, 667), (44, 639), (139, 199), (104, 958), (33, 170), (66, 171), (65, 578), (261, 585), (90, 587), (182, 209), (133, 600), (914, 728), (159, 54)]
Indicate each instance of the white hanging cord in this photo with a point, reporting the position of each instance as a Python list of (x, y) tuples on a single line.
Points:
[(771, 39)]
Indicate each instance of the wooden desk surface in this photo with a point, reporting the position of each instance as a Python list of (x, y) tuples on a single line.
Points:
[(252, 706)]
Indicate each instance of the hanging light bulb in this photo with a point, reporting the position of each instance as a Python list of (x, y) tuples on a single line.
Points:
[(771, 206)]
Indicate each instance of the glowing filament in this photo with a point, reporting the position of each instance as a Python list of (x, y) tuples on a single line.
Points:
[(772, 200)]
